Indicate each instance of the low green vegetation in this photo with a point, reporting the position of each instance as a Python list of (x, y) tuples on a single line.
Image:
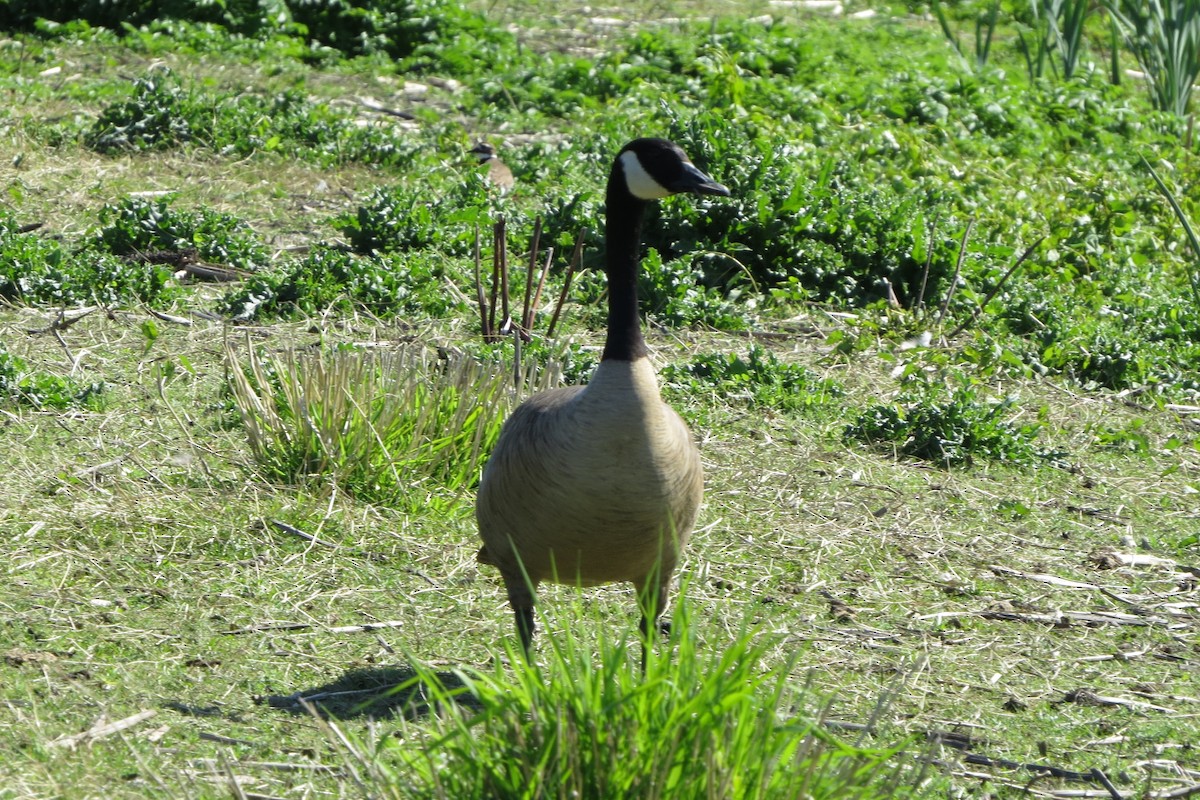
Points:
[(956, 429), (759, 379), (41, 390), (332, 279), (939, 349), (696, 723)]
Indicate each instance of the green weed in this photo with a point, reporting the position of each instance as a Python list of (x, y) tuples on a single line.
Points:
[(39, 271), (959, 429), (397, 218), (136, 226), (758, 379), (330, 279), (159, 113), (21, 385)]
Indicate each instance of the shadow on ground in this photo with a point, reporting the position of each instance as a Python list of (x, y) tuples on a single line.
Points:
[(381, 692)]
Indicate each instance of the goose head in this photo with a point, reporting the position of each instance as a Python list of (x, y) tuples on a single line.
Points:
[(651, 169)]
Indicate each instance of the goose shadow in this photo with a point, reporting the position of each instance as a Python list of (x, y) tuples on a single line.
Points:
[(378, 692)]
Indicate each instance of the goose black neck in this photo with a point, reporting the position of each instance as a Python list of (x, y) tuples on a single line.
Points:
[(622, 241)]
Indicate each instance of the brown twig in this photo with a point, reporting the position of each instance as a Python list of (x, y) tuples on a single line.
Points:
[(928, 262), (1099, 775), (527, 308), (502, 252), (480, 297), (995, 289), (308, 537), (496, 233), (576, 258), (962, 256), (537, 295), (102, 729)]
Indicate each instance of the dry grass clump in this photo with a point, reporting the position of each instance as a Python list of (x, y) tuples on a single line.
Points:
[(391, 426)]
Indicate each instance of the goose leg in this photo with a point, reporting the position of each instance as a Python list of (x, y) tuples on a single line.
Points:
[(654, 600), (524, 619), (521, 598)]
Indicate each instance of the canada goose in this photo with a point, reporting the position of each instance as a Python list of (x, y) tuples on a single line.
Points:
[(600, 483), (497, 171)]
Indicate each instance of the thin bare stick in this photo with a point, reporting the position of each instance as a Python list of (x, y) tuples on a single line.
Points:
[(367, 626), (527, 309), (491, 326), (928, 262), (962, 256), (308, 537), (479, 294), (274, 626), (980, 308), (102, 729), (235, 787), (517, 358), (537, 295), (502, 249), (276, 766), (576, 257), (1113, 791)]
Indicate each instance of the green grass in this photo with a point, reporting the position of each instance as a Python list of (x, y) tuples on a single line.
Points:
[(590, 723), (856, 609)]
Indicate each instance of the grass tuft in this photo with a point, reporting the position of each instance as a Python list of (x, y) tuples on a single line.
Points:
[(702, 722), (392, 427)]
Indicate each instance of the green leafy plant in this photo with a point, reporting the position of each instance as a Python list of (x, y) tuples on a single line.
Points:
[(395, 28), (828, 223), (675, 295), (242, 16), (290, 123), (958, 429), (333, 279), (39, 271), (393, 218), (160, 113), (1129, 439), (21, 385), (136, 226), (759, 379)]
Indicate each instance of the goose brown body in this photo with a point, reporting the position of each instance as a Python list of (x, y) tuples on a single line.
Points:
[(600, 483), (611, 477)]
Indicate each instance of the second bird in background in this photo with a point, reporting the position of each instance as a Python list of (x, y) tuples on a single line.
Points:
[(498, 172)]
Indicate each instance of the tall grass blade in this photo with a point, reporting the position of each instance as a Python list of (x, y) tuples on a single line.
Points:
[(1194, 276)]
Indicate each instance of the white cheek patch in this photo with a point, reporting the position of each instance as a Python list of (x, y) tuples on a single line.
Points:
[(640, 184)]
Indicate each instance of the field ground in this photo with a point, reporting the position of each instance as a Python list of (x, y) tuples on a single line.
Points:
[(1023, 624)]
